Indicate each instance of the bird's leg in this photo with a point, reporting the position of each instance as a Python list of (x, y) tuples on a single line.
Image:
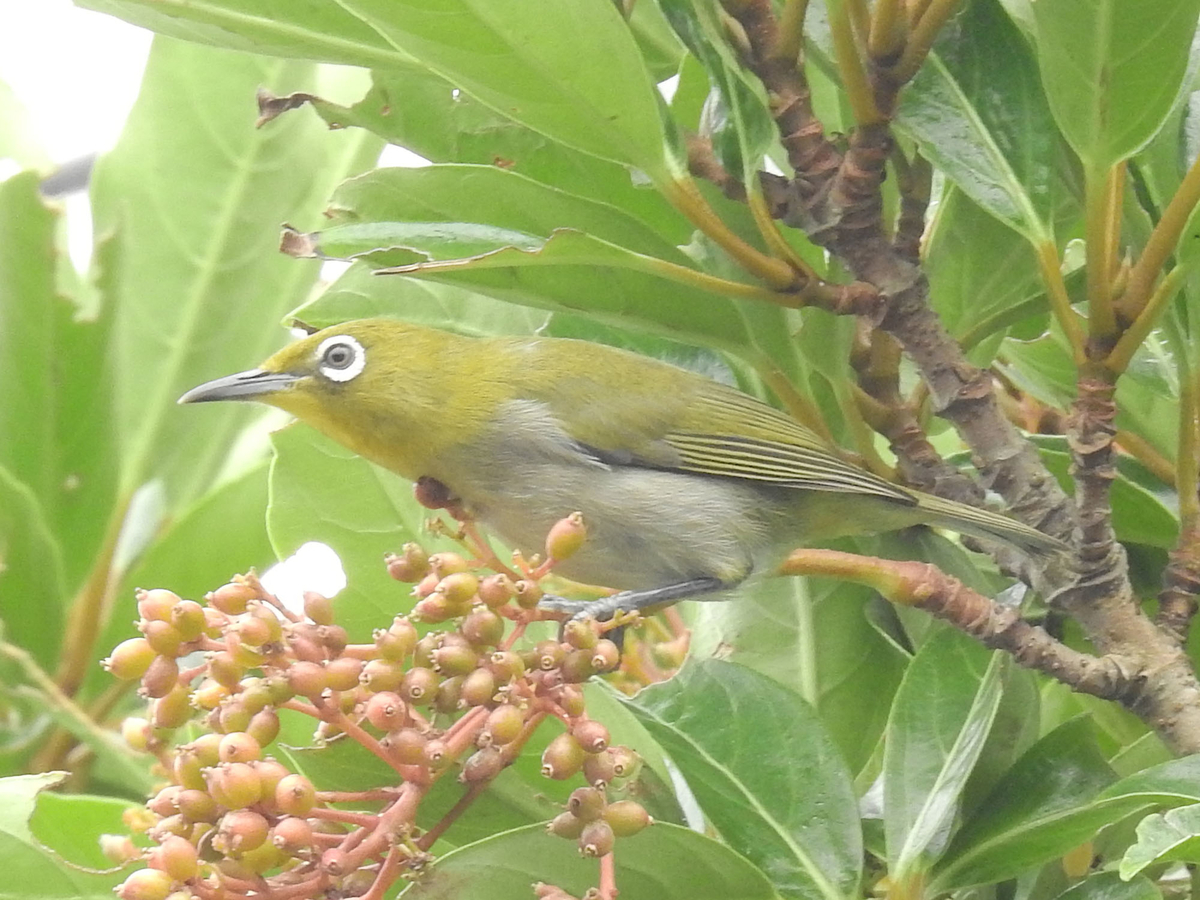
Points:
[(630, 601)]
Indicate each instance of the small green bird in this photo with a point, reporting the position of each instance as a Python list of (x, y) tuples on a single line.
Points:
[(688, 487)]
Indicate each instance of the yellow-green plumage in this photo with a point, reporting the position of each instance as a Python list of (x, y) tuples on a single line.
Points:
[(679, 478)]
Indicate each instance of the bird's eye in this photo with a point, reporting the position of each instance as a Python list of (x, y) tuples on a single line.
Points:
[(341, 357)]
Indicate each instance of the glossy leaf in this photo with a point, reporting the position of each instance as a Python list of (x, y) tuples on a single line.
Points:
[(939, 723), (766, 775), (1041, 808), (197, 194), (1112, 69), (31, 569), (664, 862), (978, 114), (599, 98), (32, 870), (1164, 837), (1111, 886)]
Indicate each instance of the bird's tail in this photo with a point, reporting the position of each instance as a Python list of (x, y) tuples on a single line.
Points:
[(986, 524)]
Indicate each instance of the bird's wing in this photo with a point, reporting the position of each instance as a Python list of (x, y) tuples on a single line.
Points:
[(757, 442)]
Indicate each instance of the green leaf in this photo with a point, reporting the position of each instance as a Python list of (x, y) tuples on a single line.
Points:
[(32, 593), (1164, 837), (1111, 886), (317, 31), (664, 862), (197, 194), (564, 275), (422, 111), (940, 721), (763, 770), (983, 275), (979, 115), (591, 92), (1112, 69), (32, 871), (812, 636), (71, 825), (320, 491), (1040, 809)]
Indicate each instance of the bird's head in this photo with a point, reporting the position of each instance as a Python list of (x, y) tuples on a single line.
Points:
[(365, 383)]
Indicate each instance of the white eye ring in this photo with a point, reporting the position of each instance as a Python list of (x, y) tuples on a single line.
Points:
[(341, 357)]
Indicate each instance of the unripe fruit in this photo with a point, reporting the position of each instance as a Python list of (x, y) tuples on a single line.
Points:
[(528, 594), (483, 627), (161, 676), (397, 642), (386, 711), (419, 686), (459, 588), (447, 563), (308, 679), (408, 746), (565, 825), (592, 735), (566, 536), (145, 884), (380, 675), (188, 618), (562, 757), (262, 858), (478, 688), (548, 655), (318, 608), (209, 694), (235, 785), (586, 803), (173, 710), (506, 666), (503, 724), (223, 669), (496, 590), (482, 765), (437, 753), (251, 632), (625, 761), (135, 731), (626, 817), (599, 769), (238, 747), (162, 636), (164, 802), (295, 795), (264, 726), (577, 667), (605, 655), (156, 604), (119, 849), (342, 674), (434, 609), (423, 652), (596, 840), (570, 698), (411, 565), (451, 660), (231, 598), (177, 857), (206, 748), (242, 830), (197, 805), (270, 773), (130, 659), (448, 694), (333, 638), (292, 835)]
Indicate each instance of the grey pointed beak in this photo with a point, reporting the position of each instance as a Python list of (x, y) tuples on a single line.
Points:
[(249, 385)]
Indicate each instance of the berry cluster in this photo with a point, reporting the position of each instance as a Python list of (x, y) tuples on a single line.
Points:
[(464, 700)]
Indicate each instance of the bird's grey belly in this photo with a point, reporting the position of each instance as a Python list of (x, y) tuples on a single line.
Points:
[(646, 527)]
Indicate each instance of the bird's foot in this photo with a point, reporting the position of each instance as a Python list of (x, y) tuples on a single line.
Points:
[(628, 601)]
